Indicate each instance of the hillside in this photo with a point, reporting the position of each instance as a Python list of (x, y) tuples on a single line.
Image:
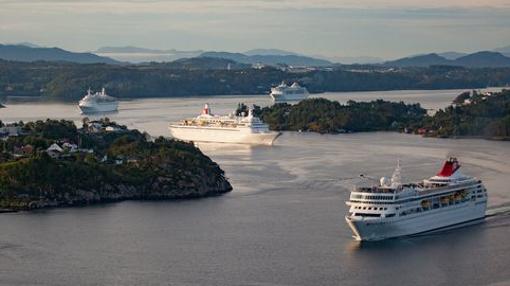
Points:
[(55, 164), (482, 59), (419, 61), (24, 53), (193, 77)]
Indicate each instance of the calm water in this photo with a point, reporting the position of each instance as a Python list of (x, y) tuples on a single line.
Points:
[(283, 223)]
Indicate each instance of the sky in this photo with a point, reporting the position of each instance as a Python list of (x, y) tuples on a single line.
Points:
[(376, 28)]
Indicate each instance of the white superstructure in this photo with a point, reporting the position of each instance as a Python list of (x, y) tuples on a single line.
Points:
[(207, 127), (393, 209), (98, 102), (284, 93)]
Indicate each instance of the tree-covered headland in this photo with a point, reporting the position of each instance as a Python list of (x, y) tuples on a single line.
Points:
[(53, 163), (472, 114)]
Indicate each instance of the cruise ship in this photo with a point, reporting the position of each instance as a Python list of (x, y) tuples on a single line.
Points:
[(231, 128), (285, 93), (98, 102), (391, 208)]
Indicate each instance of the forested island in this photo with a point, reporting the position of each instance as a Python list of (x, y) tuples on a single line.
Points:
[(208, 76), (472, 114), (325, 116), (53, 163)]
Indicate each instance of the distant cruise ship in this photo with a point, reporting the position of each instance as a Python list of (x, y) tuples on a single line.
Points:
[(284, 93), (393, 209), (207, 127), (98, 102)]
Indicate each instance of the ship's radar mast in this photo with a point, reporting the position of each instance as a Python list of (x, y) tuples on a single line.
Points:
[(396, 179)]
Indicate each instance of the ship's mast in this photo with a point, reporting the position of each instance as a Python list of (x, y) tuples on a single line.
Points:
[(396, 179)]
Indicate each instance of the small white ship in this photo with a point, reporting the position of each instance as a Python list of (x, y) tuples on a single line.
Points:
[(285, 93), (98, 102), (393, 209), (231, 128)]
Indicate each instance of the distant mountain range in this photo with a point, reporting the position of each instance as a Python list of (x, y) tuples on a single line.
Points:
[(203, 63), (137, 55), (26, 53), (475, 60), (141, 55), (291, 60), (263, 56)]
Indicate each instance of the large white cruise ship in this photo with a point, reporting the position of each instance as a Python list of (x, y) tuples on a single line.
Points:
[(98, 102), (393, 209), (207, 127), (284, 93)]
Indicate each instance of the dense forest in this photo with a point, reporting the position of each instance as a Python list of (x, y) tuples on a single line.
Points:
[(472, 114), (99, 166), (206, 77), (325, 116)]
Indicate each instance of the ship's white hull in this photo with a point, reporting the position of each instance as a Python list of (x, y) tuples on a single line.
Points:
[(288, 97), (222, 135), (365, 229), (98, 108)]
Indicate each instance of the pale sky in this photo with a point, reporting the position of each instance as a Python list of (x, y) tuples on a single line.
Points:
[(379, 28)]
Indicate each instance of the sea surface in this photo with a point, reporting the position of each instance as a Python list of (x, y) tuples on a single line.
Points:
[(283, 224)]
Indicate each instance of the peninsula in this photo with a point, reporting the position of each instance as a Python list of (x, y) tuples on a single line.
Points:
[(53, 163), (472, 114)]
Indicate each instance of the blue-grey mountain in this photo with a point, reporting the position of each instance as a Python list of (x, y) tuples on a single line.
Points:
[(484, 59), (25, 53), (291, 60)]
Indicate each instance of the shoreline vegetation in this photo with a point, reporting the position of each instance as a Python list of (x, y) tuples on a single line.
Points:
[(471, 115), (54, 164), (69, 81)]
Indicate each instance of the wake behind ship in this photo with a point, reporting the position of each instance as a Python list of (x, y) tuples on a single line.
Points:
[(231, 128), (393, 209)]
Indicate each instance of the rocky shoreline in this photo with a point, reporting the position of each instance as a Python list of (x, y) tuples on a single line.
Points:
[(120, 165)]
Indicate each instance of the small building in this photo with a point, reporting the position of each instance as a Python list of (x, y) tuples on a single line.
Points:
[(55, 150)]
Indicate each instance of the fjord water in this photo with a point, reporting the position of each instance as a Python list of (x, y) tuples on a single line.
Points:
[(281, 225)]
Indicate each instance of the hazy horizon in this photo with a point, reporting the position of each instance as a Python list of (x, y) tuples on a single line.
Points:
[(377, 28)]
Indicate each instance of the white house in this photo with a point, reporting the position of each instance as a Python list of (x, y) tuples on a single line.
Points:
[(54, 150)]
